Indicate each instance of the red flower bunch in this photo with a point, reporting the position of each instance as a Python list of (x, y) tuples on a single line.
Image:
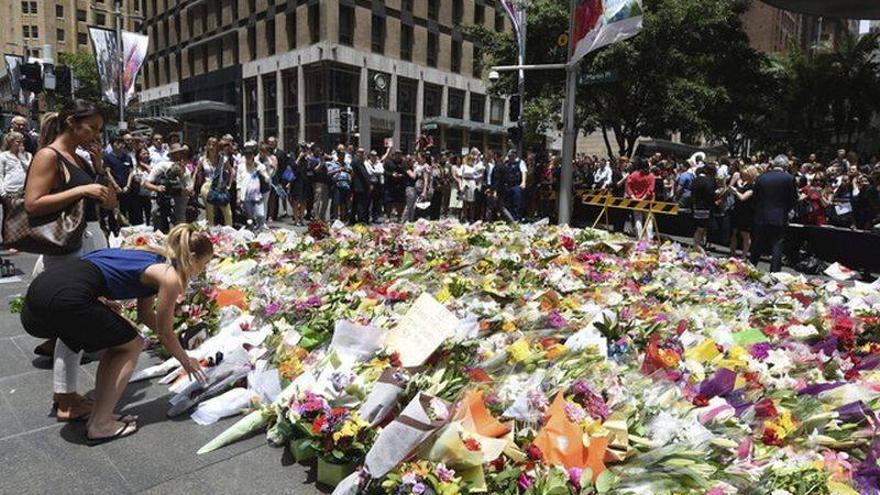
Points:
[(770, 438), (318, 425), (318, 230), (765, 408), (534, 452)]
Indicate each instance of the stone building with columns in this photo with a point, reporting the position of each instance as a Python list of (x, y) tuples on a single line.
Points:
[(288, 68)]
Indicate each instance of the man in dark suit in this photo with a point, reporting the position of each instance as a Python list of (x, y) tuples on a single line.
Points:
[(775, 196), (360, 185)]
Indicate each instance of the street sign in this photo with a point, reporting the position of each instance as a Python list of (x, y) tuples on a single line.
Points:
[(334, 121), (608, 76)]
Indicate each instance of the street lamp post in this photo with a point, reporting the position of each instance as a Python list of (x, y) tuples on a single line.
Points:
[(117, 11), (522, 79)]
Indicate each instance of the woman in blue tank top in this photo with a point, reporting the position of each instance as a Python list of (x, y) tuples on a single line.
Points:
[(71, 303)]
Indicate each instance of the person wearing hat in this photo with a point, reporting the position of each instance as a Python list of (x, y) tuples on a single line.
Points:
[(173, 183)]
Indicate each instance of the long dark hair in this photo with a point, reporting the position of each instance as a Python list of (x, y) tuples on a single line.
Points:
[(55, 123)]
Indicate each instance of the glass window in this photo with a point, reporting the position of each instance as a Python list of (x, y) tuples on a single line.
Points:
[(251, 116), (454, 139), (289, 83), (406, 42), (344, 84), (406, 6), (82, 39), (432, 49), (252, 42), (455, 107), (479, 14), (433, 9), (433, 95), (499, 20), (478, 61), (81, 15), (496, 111), (100, 19), (476, 140), (59, 11), (270, 36), (346, 25), (378, 90), (478, 107), (25, 8), (378, 34), (291, 30), (407, 91), (456, 56), (457, 12), (270, 102), (26, 31), (59, 34), (315, 22)]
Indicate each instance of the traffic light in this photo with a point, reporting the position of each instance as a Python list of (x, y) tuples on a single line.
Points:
[(514, 134), (32, 77), (62, 81), (514, 108), (343, 122)]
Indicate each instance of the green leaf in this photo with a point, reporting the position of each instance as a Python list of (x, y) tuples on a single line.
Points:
[(605, 481)]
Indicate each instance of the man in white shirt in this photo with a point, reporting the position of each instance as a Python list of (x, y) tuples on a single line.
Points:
[(158, 150), (602, 176)]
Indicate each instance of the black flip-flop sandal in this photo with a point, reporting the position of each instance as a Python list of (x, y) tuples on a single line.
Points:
[(129, 428)]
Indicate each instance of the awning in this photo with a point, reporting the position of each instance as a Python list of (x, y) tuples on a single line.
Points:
[(156, 121), (201, 109), (845, 9), (466, 124)]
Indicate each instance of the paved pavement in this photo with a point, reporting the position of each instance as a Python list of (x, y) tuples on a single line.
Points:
[(39, 455)]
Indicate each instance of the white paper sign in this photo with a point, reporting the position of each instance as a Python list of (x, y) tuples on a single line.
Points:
[(421, 331)]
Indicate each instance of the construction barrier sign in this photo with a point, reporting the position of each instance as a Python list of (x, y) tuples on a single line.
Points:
[(605, 200)]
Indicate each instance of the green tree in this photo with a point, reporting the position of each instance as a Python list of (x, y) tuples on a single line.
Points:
[(690, 70), (829, 97), (85, 70)]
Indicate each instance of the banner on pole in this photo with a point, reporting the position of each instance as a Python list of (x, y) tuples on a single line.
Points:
[(135, 50), (13, 68), (599, 23), (106, 48)]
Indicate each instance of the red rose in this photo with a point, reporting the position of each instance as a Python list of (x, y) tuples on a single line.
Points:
[(394, 359), (534, 452), (701, 400)]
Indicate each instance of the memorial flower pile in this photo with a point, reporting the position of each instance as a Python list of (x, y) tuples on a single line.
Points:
[(534, 359)]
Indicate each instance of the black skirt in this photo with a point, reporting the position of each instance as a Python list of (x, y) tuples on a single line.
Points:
[(63, 303)]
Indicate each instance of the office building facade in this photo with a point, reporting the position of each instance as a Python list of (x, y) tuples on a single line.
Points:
[(295, 69)]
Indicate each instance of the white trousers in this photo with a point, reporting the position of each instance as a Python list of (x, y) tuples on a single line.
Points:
[(66, 361)]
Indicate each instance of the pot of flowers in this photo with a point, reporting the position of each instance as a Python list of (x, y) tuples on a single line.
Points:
[(302, 413), (341, 440)]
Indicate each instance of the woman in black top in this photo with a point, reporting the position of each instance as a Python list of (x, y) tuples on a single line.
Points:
[(742, 186), (57, 178), (703, 200)]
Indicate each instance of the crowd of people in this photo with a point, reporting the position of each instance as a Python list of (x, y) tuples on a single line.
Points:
[(164, 183)]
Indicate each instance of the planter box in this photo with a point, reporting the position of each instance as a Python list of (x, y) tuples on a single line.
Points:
[(301, 451), (330, 474)]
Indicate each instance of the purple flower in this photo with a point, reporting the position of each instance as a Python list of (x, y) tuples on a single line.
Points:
[(524, 482), (556, 320), (721, 383), (574, 477), (272, 308), (409, 479), (575, 412), (443, 473), (418, 488), (760, 351)]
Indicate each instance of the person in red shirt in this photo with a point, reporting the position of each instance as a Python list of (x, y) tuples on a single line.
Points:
[(640, 186)]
